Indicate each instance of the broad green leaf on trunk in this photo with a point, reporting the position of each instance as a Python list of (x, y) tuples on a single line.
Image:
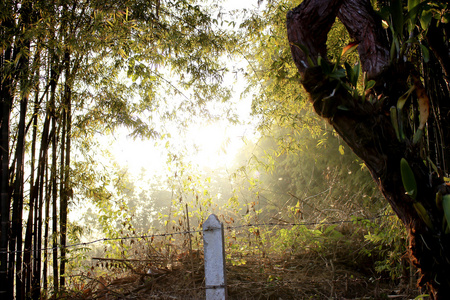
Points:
[(408, 179)]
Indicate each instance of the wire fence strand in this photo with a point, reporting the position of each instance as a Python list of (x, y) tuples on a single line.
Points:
[(151, 236)]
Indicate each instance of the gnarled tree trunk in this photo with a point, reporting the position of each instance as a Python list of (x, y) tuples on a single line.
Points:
[(365, 123)]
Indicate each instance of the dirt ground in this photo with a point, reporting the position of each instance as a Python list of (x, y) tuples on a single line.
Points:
[(306, 276)]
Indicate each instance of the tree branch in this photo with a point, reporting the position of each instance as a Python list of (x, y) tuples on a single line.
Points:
[(307, 26), (364, 26)]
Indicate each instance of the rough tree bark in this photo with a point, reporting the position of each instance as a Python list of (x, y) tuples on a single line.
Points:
[(366, 126)]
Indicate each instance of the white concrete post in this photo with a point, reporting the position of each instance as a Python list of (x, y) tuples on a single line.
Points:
[(214, 249)]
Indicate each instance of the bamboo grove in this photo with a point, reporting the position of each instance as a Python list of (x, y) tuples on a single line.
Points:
[(62, 66)]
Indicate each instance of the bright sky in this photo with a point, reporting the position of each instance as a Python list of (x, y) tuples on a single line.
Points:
[(239, 4), (213, 146)]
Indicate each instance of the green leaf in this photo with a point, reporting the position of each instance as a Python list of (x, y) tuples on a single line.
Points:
[(397, 17), (445, 18), (343, 107), (402, 100), (324, 65), (423, 214), (356, 72), (425, 53), (393, 50), (408, 179), (412, 4), (425, 19), (350, 73), (305, 50), (412, 14), (338, 74), (370, 84), (302, 47), (435, 169), (394, 121), (417, 136), (446, 207)]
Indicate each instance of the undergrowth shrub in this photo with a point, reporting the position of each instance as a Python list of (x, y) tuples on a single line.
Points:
[(386, 239)]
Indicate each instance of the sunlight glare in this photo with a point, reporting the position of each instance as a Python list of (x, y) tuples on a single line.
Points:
[(138, 155), (210, 146), (215, 145)]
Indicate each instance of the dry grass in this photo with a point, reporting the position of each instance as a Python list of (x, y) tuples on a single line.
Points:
[(308, 275)]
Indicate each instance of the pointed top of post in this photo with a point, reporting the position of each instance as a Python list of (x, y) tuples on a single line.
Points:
[(212, 222)]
